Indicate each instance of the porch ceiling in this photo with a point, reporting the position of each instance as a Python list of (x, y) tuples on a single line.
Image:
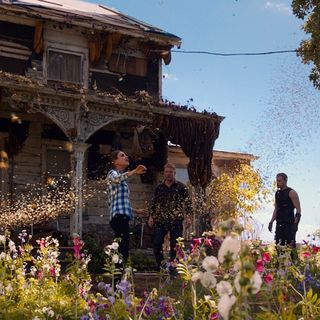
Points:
[(81, 113)]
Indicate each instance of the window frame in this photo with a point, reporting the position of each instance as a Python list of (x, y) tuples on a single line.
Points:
[(57, 145), (71, 50)]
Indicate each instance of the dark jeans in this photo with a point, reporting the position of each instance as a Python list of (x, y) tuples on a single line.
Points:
[(286, 234), (175, 229), (120, 225)]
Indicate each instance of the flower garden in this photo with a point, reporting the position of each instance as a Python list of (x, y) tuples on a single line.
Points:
[(235, 280)]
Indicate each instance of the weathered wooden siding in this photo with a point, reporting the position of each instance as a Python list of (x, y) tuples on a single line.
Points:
[(27, 163)]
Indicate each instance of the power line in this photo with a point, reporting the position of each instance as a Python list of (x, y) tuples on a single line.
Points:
[(235, 54)]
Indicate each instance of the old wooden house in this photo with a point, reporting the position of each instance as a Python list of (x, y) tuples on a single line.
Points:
[(76, 81)]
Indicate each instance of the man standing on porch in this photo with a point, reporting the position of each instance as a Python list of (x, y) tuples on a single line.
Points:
[(170, 205), (121, 211)]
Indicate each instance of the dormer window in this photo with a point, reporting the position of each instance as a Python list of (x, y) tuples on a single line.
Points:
[(65, 58), (65, 66)]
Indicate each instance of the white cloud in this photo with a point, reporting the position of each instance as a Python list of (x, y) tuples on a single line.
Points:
[(278, 6)]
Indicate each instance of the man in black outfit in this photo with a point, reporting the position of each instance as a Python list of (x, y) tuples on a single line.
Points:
[(286, 202), (171, 204)]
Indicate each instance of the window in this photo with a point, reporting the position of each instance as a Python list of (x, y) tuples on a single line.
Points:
[(182, 175), (57, 164), (56, 167), (63, 66)]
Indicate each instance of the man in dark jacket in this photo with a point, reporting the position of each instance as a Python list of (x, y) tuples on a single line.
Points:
[(286, 202), (171, 204)]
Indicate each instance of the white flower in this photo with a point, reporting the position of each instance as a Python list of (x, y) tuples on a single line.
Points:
[(128, 271), (115, 258), (225, 304), (9, 288), (229, 245), (208, 280), (224, 287), (48, 311), (114, 246), (256, 282), (55, 242), (12, 246), (208, 299), (237, 265), (51, 313), (197, 276), (210, 263), (237, 282), (2, 239)]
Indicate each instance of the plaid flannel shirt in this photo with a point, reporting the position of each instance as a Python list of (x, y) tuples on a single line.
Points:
[(119, 193)]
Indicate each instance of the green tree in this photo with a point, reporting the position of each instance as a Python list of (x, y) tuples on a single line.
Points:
[(309, 50), (236, 194)]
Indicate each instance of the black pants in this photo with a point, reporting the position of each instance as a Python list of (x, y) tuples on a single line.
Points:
[(175, 229), (286, 234), (120, 225)]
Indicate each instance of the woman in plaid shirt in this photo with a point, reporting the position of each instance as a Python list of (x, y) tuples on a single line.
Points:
[(121, 211)]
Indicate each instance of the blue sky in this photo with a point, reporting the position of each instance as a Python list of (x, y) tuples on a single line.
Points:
[(269, 104)]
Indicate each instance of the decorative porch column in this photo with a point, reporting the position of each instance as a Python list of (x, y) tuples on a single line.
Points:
[(79, 150)]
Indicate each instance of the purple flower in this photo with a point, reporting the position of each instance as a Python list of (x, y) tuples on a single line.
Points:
[(101, 285), (127, 300), (124, 286), (112, 299)]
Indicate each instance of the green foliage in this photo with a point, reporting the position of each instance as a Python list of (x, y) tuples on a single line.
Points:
[(309, 11), (242, 280), (31, 286), (236, 193), (141, 261), (96, 251)]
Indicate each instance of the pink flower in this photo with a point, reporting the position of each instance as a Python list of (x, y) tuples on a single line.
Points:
[(260, 265), (214, 316), (92, 306), (315, 249), (196, 241), (42, 243), (21, 251), (268, 278), (77, 246), (306, 255), (82, 292), (208, 242), (266, 257), (179, 251), (40, 275), (52, 271)]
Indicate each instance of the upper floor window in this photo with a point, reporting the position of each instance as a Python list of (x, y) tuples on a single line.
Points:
[(65, 66)]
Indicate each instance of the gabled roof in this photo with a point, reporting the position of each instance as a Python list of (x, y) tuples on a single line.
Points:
[(90, 15)]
